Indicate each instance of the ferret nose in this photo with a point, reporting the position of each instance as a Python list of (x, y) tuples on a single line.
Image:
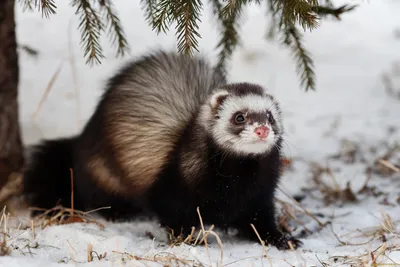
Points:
[(262, 131)]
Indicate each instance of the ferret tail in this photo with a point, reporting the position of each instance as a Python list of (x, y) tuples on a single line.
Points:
[(47, 176)]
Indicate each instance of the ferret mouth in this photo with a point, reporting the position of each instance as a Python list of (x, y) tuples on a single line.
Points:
[(260, 141)]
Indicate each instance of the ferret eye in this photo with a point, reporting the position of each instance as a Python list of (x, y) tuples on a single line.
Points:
[(239, 118), (271, 118)]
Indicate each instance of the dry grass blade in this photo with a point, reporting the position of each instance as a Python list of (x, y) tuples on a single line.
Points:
[(190, 236), (4, 219), (33, 229), (331, 192), (4, 249), (201, 238), (348, 243), (288, 214), (72, 191), (47, 91), (389, 165), (205, 234), (386, 227), (60, 215), (74, 74), (89, 252), (303, 208), (205, 239), (373, 258), (387, 223), (168, 260), (264, 250), (12, 188)]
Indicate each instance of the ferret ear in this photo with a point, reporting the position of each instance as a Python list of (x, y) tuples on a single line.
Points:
[(218, 98)]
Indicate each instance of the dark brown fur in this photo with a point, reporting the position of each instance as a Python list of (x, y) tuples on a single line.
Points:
[(148, 149)]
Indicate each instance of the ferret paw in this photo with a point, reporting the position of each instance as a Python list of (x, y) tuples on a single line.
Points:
[(282, 242)]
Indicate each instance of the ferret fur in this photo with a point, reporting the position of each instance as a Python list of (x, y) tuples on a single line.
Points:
[(164, 139)]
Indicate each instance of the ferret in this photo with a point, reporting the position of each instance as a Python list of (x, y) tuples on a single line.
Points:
[(170, 135)]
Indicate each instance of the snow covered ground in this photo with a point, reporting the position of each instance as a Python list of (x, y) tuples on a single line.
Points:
[(345, 126)]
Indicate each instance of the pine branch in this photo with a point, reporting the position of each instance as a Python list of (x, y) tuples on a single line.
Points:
[(47, 7), (286, 26), (187, 16), (298, 12), (228, 16), (305, 66), (328, 3), (233, 6), (331, 10), (90, 26), (149, 7), (230, 8), (162, 15), (26, 5), (273, 27), (116, 33)]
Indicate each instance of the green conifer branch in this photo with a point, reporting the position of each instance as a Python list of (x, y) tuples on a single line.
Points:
[(274, 25), (149, 7), (331, 10), (162, 15), (187, 16), (90, 26), (47, 7), (231, 7), (26, 5), (228, 17), (327, 3), (116, 33), (293, 39), (298, 12), (305, 65)]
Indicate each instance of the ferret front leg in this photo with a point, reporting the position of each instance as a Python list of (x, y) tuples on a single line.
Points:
[(262, 215)]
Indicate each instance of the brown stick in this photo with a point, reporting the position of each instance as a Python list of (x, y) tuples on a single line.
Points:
[(72, 191)]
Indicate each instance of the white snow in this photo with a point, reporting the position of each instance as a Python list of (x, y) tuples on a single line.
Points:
[(350, 103)]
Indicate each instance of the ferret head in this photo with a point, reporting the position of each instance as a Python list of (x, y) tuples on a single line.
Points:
[(243, 119)]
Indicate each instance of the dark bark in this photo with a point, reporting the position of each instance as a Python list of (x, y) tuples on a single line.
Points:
[(11, 156)]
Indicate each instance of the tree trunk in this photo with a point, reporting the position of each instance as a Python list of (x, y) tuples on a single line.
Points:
[(11, 154)]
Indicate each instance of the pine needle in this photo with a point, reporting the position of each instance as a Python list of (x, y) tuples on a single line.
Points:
[(187, 15), (161, 15), (273, 27), (298, 12), (149, 7), (47, 7), (328, 3), (90, 26), (331, 10), (47, 90), (305, 65), (286, 15), (116, 32), (26, 5), (229, 17)]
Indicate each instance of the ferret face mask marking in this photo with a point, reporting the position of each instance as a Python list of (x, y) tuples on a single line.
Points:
[(245, 124)]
